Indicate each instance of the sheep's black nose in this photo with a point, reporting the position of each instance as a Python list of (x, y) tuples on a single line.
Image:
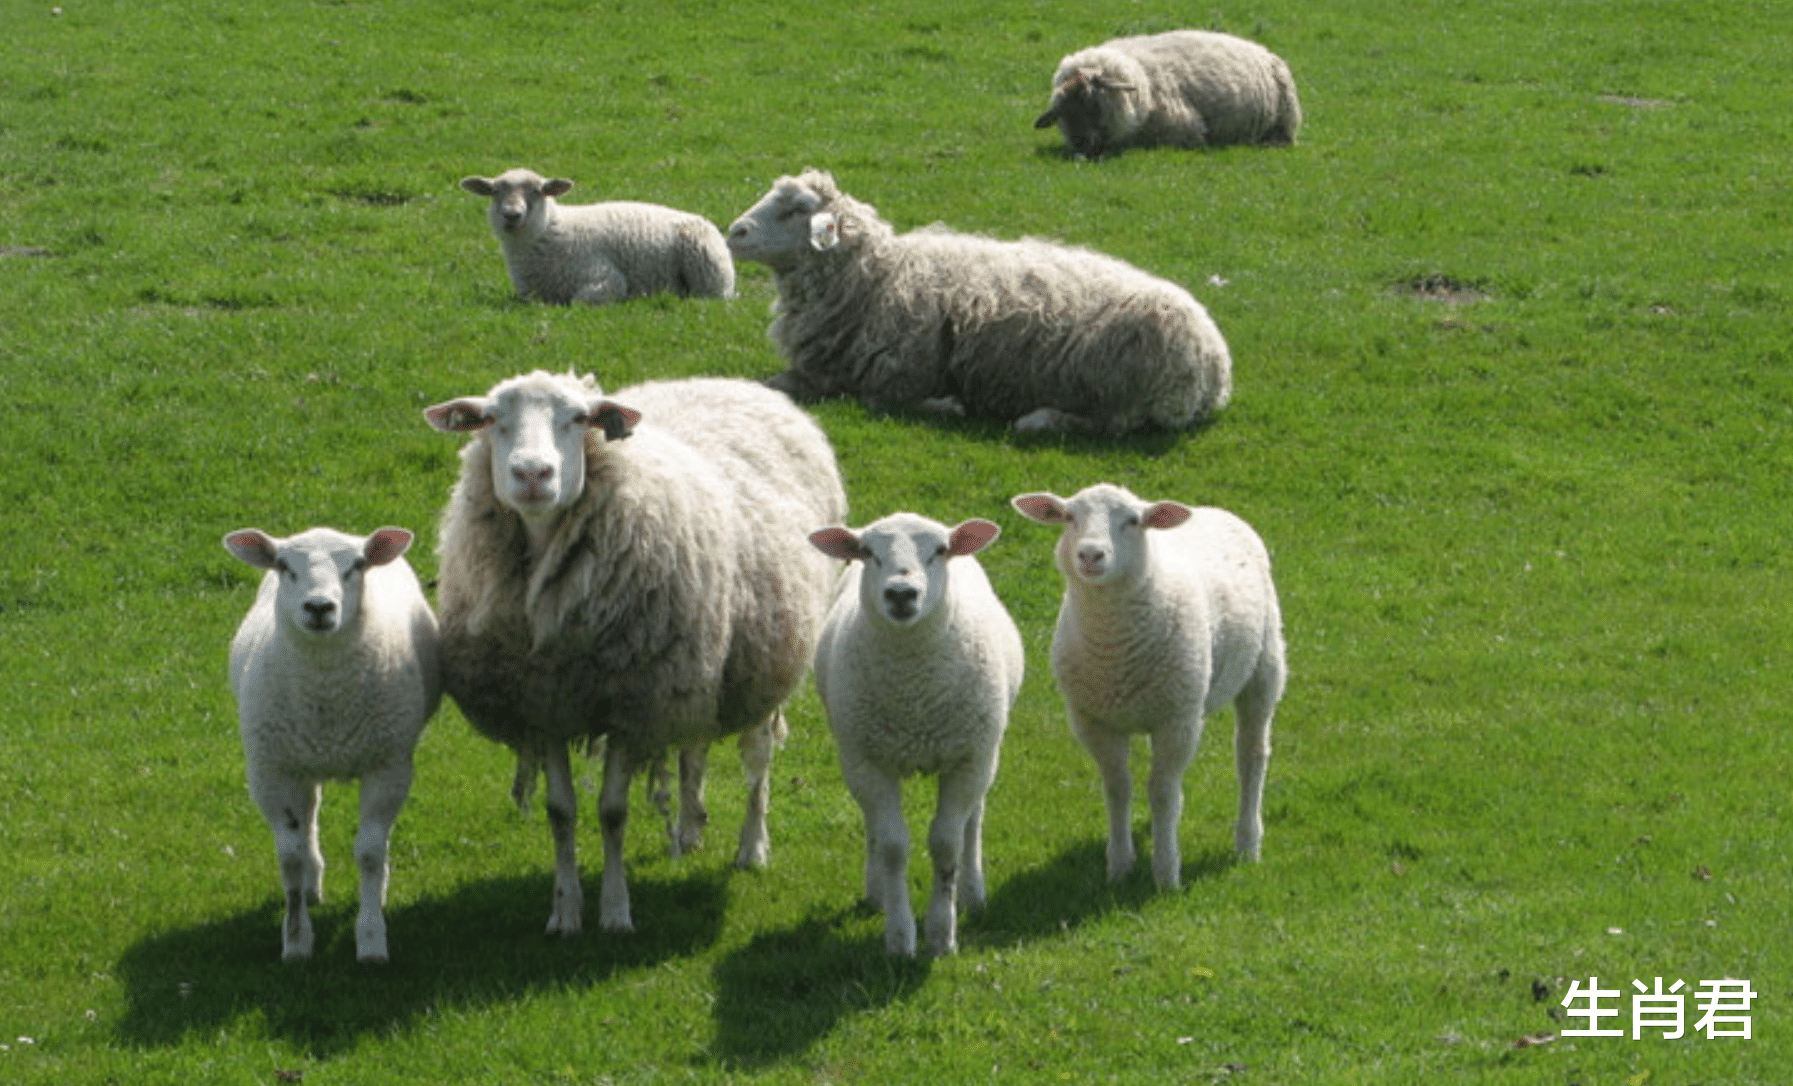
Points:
[(319, 609), (901, 599)]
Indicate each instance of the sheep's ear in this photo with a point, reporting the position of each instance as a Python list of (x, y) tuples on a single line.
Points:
[(478, 186), (1166, 515), (972, 536), (614, 419), (385, 545), (1042, 507), (459, 416), (1048, 118), (824, 231), (838, 543), (556, 186), (254, 546)]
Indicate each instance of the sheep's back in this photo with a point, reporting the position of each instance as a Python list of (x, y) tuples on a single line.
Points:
[(1231, 84)]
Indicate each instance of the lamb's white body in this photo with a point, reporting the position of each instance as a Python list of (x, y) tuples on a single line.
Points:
[(336, 670), (598, 253), (1169, 615), (1041, 335), (624, 568), (918, 666), (1185, 88)]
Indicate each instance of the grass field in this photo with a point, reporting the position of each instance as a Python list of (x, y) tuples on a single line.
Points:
[(1514, 387)]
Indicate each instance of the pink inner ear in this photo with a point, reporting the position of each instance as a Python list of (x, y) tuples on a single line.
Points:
[(385, 545), (1167, 515), (1041, 507), (837, 543), (972, 536)]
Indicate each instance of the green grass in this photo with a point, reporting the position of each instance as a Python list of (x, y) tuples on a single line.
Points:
[(1531, 547)]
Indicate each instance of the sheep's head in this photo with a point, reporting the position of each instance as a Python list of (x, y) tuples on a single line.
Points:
[(1088, 108), (322, 572), (906, 559), (1104, 537), (535, 434), (796, 217), (520, 199)]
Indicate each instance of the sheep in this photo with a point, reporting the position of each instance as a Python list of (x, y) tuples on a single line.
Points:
[(619, 567), (1186, 88), (336, 670), (598, 253), (1169, 614), (918, 666), (1045, 335)]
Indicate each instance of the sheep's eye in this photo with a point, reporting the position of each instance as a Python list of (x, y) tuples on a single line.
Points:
[(1133, 521), (360, 566), (940, 551), (281, 566)]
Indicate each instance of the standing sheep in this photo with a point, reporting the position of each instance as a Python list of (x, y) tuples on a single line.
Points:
[(623, 568), (598, 253), (335, 670), (1186, 88), (1043, 335), (918, 666), (1169, 615)]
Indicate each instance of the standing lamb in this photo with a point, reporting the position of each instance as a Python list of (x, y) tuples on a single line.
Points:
[(918, 666), (598, 253), (1169, 614), (1043, 335), (336, 670), (623, 568), (1186, 88)]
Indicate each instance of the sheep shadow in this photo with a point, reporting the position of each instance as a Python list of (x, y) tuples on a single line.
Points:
[(787, 989), (1151, 444), (480, 945)]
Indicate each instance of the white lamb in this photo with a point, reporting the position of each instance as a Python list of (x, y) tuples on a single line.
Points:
[(623, 567), (598, 253), (1186, 88), (336, 670), (1042, 335), (918, 666), (1169, 614)]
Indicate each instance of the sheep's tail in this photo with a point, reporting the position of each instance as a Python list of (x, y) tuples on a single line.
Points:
[(1288, 105)]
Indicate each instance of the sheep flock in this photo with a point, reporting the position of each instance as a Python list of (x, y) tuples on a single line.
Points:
[(646, 571)]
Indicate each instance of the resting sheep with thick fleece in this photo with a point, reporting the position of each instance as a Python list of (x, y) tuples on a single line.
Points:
[(1169, 615), (623, 566), (335, 671), (1041, 335), (1186, 88), (918, 666), (598, 253)]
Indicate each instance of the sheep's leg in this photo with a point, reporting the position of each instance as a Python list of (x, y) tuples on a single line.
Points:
[(694, 762), (383, 795), (290, 806), (961, 795), (880, 798), (757, 745), (613, 816), (1251, 760), (1109, 750), (529, 764), (563, 818), (1173, 747), (1052, 420), (606, 284), (971, 860)]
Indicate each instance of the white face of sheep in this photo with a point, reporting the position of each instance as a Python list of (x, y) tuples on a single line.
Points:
[(787, 222), (906, 561), (536, 438), (322, 572), (1104, 538), (518, 199)]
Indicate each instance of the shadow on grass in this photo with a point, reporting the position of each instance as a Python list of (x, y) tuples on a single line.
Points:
[(786, 990), (481, 945), (1072, 890)]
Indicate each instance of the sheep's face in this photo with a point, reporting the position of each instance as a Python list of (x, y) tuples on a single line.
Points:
[(535, 429), (321, 571), (520, 200), (906, 562), (1087, 108), (1104, 537), (788, 222)]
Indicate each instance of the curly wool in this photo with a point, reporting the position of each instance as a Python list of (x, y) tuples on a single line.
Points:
[(1005, 327), (656, 250)]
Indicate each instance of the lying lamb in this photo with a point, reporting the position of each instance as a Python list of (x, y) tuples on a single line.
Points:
[(621, 567), (1042, 335), (1169, 614), (335, 671), (918, 666), (597, 253), (1186, 88)]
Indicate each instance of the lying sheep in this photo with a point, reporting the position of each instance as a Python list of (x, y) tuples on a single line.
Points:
[(597, 253), (335, 670), (1187, 88), (1169, 614), (622, 567), (1043, 335), (918, 665)]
